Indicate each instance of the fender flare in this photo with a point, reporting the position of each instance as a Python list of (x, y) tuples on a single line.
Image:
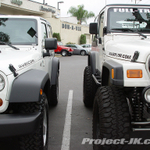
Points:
[(92, 61), (26, 87), (55, 70), (118, 73)]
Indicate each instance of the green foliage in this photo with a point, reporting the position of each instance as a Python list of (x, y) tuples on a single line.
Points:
[(81, 14), (83, 39), (57, 35), (70, 43)]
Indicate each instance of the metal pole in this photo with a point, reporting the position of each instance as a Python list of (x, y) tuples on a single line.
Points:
[(136, 0), (58, 4)]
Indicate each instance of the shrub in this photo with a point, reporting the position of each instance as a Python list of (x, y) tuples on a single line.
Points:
[(70, 43), (83, 39), (57, 35)]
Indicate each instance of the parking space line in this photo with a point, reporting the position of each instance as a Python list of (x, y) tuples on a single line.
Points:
[(67, 127)]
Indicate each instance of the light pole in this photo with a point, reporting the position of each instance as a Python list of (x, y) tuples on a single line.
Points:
[(58, 4), (138, 0)]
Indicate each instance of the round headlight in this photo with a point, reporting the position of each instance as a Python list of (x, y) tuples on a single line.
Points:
[(149, 64), (2, 83), (147, 95)]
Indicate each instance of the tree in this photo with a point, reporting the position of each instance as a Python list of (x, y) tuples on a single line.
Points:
[(81, 14), (57, 35)]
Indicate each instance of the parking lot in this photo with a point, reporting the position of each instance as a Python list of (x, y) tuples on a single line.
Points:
[(78, 117), (70, 121)]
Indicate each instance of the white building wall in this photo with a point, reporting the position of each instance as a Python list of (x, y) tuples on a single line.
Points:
[(69, 19), (69, 30)]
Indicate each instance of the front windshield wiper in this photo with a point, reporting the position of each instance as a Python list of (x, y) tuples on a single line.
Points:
[(127, 29), (9, 45)]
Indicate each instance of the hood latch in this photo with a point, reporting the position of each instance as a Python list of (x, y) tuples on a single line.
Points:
[(135, 56), (13, 70)]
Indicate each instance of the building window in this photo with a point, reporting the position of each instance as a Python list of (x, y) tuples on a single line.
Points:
[(63, 26)]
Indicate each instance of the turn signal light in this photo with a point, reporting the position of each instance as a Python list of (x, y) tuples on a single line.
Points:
[(134, 74), (1, 102), (112, 73), (41, 91)]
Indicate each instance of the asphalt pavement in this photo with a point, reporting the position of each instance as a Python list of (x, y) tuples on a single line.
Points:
[(70, 121), (79, 123)]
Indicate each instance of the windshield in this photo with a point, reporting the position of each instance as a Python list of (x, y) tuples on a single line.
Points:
[(60, 43), (18, 31), (78, 46), (137, 19)]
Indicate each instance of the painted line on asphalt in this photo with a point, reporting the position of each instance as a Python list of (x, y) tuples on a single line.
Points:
[(67, 127)]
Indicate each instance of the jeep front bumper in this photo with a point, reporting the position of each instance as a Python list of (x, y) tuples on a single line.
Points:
[(18, 124)]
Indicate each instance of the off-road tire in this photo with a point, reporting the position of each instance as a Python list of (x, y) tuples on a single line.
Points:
[(110, 117), (89, 87), (54, 93), (35, 141)]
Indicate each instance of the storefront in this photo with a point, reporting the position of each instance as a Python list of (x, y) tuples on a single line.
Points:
[(69, 32)]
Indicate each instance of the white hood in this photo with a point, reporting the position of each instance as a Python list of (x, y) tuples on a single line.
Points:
[(124, 48), (18, 58)]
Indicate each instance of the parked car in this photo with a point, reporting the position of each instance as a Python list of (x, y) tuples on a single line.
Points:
[(87, 46), (78, 50), (64, 51)]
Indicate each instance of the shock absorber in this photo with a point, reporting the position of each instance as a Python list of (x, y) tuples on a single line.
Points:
[(137, 106)]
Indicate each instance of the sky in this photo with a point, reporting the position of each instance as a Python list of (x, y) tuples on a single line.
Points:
[(90, 5)]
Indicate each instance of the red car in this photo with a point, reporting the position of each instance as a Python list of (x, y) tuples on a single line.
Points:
[(64, 51)]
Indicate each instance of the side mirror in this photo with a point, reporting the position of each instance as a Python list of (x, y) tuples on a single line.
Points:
[(100, 40), (105, 30), (50, 44), (93, 29)]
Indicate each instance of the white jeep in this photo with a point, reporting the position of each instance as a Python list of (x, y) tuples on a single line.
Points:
[(29, 75), (117, 78)]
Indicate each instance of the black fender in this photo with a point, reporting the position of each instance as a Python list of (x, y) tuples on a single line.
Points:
[(118, 73), (26, 87), (55, 70), (92, 61)]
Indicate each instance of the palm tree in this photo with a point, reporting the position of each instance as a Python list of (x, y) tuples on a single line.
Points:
[(81, 14)]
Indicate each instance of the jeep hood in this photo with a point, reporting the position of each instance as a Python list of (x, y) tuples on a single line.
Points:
[(18, 58), (123, 48)]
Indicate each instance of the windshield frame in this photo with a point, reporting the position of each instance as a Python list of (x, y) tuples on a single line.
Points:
[(26, 20), (119, 31)]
